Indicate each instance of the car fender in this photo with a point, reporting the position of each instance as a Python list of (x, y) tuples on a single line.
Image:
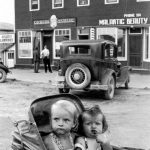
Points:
[(4, 68), (124, 75), (106, 74)]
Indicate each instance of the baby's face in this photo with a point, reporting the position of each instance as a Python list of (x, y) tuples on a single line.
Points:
[(92, 125), (62, 121)]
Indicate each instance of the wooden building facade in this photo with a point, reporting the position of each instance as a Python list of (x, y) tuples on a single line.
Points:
[(48, 22)]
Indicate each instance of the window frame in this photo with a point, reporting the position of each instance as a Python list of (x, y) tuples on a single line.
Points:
[(78, 5), (31, 43), (144, 52), (107, 3), (30, 6), (65, 30), (53, 5)]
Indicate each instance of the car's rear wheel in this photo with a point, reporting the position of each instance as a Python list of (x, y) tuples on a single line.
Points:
[(64, 90), (2, 75), (109, 94), (78, 76)]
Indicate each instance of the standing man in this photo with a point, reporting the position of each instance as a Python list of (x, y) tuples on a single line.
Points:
[(36, 59), (46, 59)]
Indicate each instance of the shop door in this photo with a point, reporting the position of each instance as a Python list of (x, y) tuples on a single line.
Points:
[(47, 40), (10, 59), (135, 50)]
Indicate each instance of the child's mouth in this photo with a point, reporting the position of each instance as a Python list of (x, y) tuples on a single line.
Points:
[(94, 132)]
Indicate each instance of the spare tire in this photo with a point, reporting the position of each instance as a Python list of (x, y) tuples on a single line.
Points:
[(78, 76)]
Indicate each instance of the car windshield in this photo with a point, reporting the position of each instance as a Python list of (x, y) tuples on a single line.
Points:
[(79, 49)]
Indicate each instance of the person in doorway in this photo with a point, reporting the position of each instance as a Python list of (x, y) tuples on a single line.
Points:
[(36, 59), (45, 54)]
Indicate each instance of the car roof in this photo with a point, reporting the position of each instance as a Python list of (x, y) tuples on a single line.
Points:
[(77, 42)]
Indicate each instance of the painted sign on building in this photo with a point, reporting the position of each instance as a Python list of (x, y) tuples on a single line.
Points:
[(128, 19), (7, 38)]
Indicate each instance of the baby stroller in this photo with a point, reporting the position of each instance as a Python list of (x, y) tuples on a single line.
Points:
[(28, 134)]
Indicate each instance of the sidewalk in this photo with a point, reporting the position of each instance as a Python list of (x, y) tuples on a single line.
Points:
[(137, 80)]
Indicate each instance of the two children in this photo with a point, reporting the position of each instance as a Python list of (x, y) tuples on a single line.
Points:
[(64, 117)]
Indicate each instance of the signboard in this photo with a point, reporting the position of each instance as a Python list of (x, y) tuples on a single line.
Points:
[(7, 38), (128, 19), (53, 21)]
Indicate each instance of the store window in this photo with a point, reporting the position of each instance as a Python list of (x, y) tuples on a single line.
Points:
[(60, 35), (111, 1), (147, 45), (57, 4), (115, 35), (24, 44), (34, 5), (83, 2)]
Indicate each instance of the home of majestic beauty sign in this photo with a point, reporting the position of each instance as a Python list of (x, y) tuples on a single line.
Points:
[(128, 19)]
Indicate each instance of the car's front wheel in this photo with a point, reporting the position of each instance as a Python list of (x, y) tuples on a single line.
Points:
[(109, 94), (64, 90), (2, 75)]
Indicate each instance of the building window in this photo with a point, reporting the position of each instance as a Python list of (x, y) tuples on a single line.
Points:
[(57, 4), (111, 1), (11, 54), (60, 35), (116, 35), (83, 2), (83, 33), (24, 44), (34, 5), (143, 0), (135, 31), (121, 38), (147, 45)]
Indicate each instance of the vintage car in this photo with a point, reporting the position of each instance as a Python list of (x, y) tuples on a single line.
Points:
[(3, 72), (91, 65)]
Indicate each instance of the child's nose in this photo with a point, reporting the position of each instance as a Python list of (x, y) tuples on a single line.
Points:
[(61, 123), (94, 125)]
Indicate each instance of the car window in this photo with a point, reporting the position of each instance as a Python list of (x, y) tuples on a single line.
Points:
[(80, 49), (109, 51)]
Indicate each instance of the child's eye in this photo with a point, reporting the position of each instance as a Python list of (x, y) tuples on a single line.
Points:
[(66, 120), (88, 123), (56, 119), (98, 123)]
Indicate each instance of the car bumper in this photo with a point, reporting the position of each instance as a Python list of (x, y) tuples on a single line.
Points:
[(62, 84)]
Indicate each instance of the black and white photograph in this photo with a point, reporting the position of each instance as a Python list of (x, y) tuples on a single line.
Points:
[(74, 74)]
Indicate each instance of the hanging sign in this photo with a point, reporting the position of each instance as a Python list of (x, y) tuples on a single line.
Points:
[(53, 21)]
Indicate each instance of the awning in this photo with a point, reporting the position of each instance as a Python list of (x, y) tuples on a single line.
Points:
[(5, 46)]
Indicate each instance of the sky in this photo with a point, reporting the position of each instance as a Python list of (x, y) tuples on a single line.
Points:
[(7, 11)]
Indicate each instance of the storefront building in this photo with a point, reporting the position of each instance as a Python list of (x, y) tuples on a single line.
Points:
[(49, 22), (7, 44)]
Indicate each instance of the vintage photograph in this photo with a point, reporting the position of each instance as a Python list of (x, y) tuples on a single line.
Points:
[(75, 75)]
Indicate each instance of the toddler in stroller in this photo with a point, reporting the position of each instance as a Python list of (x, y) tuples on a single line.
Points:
[(41, 132)]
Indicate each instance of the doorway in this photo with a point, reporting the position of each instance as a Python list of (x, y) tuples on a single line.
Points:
[(135, 49), (47, 40)]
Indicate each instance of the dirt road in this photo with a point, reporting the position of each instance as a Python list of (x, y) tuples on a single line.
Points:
[(128, 113)]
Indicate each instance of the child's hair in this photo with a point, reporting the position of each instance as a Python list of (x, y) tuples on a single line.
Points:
[(69, 107), (93, 111)]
